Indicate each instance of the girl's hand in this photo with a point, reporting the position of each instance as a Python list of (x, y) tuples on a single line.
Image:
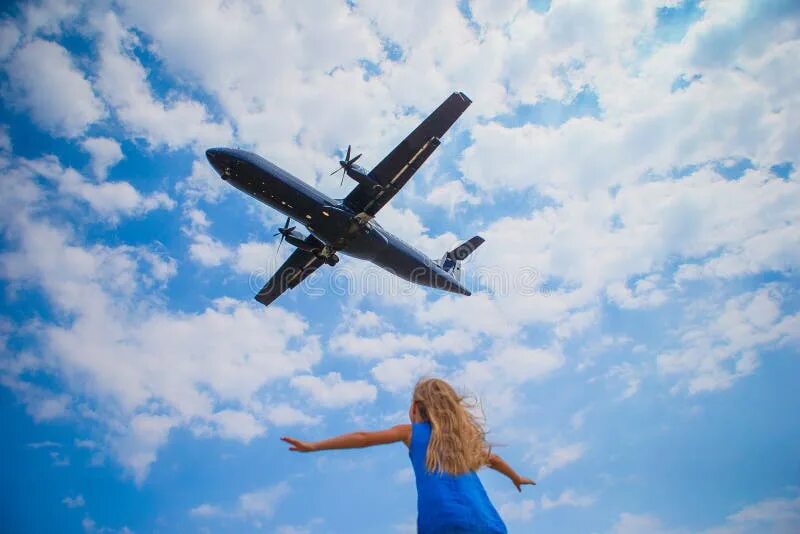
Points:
[(299, 446), (521, 481)]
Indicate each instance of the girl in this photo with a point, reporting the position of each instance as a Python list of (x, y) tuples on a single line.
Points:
[(446, 445)]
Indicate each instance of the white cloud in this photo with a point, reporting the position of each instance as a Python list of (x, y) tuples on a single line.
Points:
[(400, 374), (721, 345), (511, 365), (523, 363), (575, 323), (630, 377), (257, 504), (644, 294), (777, 510), (487, 12), (567, 498), (44, 445), (262, 503), (408, 225), (203, 249), (137, 445), (122, 80), (197, 219), (5, 140), (770, 515), (500, 379), (203, 183), (450, 195), (641, 524), (256, 257), (365, 320), (447, 49), (777, 515), (266, 114), (45, 82), (479, 313), (162, 268), (109, 199), (577, 244), (121, 350), (208, 251), (88, 524), (561, 457), (9, 37), (618, 243), (205, 510), (306, 528), (403, 476), (332, 391), (74, 502), (47, 16), (51, 407), (40, 403), (519, 510), (239, 425), (285, 415), (59, 460), (409, 527), (578, 419), (389, 344), (105, 154)]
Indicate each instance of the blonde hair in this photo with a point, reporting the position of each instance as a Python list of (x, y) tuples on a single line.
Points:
[(458, 439)]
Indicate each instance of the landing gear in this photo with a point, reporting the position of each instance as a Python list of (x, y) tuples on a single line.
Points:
[(362, 219), (328, 254)]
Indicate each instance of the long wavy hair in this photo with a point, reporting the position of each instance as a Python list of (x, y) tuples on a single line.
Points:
[(458, 439)]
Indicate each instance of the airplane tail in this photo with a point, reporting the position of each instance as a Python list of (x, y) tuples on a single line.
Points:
[(451, 261)]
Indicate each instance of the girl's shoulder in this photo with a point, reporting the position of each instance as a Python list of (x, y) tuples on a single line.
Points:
[(422, 428), (404, 433)]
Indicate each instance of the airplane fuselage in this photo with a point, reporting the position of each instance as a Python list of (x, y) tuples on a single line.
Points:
[(338, 227)]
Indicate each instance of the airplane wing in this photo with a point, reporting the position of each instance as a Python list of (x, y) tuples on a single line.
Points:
[(294, 270), (399, 166)]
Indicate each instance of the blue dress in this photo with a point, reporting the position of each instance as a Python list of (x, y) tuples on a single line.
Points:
[(448, 504)]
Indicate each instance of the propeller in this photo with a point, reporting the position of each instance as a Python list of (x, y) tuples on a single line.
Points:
[(282, 232), (346, 164)]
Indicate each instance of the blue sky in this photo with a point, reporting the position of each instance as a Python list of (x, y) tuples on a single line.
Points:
[(634, 329)]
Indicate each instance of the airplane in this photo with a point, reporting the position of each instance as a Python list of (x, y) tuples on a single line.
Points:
[(348, 225)]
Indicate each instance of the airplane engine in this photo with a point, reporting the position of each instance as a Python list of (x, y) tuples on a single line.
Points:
[(360, 175), (293, 237), (298, 240)]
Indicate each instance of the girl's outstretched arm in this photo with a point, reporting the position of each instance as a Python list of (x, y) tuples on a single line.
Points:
[(500, 465), (353, 440)]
